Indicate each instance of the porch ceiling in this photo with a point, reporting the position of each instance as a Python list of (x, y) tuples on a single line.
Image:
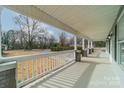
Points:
[(93, 21)]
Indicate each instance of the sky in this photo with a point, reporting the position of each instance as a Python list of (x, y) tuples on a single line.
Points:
[(7, 20)]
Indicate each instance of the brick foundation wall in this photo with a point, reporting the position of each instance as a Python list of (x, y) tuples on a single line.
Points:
[(7, 78)]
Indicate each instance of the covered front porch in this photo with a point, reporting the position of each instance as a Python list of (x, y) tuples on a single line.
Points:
[(64, 69), (93, 71)]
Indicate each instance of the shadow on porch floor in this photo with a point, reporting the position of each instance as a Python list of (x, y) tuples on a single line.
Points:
[(92, 71)]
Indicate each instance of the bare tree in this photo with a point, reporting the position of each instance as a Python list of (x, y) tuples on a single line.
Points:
[(79, 40), (30, 34), (52, 40), (71, 42), (12, 37), (5, 37), (21, 25), (62, 39), (29, 29)]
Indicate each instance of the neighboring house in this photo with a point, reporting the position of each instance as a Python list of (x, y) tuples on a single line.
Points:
[(4, 47)]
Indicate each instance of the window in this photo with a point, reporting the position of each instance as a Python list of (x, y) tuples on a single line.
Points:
[(122, 53), (121, 41)]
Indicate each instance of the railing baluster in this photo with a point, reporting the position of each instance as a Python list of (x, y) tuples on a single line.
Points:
[(46, 60), (40, 65), (36, 66), (32, 68), (58, 61), (22, 71), (27, 69), (64, 60), (47, 64), (44, 68), (61, 60), (52, 63), (55, 62)]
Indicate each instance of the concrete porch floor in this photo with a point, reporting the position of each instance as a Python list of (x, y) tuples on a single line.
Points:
[(93, 71)]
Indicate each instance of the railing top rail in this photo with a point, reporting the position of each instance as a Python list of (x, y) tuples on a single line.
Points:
[(7, 66), (31, 57)]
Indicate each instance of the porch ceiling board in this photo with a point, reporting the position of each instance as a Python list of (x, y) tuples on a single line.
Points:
[(94, 21)]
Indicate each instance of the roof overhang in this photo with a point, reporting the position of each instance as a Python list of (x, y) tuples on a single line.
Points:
[(90, 21)]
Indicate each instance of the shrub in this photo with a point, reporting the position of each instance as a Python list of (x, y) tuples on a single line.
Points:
[(79, 48), (60, 48)]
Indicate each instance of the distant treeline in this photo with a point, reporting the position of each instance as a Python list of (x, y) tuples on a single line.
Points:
[(32, 35)]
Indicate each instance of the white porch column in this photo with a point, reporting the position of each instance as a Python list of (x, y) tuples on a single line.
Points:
[(75, 47), (83, 47), (88, 44), (91, 44), (0, 32), (75, 43), (88, 47)]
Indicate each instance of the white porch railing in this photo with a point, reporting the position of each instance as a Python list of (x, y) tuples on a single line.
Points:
[(30, 68)]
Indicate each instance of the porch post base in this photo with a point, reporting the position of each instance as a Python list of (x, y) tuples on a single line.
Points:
[(77, 55), (84, 53), (90, 51)]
